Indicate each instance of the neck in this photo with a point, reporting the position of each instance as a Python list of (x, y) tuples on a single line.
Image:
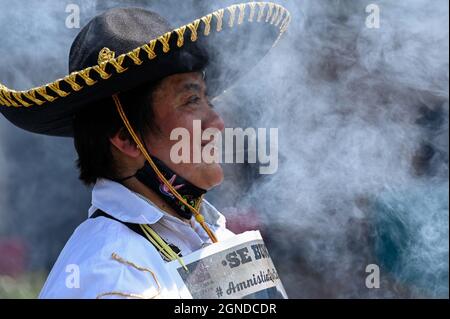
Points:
[(136, 186)]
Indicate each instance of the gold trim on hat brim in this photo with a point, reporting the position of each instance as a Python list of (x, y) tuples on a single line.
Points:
[(255, 12)]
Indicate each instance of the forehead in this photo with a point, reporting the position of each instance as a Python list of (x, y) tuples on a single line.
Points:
[(179, 83)]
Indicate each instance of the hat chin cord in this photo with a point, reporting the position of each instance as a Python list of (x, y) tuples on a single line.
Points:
[(195, 210)]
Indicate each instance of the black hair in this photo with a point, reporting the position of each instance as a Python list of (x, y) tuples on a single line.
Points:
[(96, 123)]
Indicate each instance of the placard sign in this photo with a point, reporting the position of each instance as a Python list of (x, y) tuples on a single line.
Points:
[(238, 268)]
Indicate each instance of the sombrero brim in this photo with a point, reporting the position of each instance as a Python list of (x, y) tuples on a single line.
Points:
[(235, 39)]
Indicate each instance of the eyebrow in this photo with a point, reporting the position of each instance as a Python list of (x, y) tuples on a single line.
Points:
[(192, 87)]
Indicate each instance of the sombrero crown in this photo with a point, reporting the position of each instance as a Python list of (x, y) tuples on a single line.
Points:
[(122, 48)]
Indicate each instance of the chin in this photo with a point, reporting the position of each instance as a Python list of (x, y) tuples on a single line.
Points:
[(212, 176)]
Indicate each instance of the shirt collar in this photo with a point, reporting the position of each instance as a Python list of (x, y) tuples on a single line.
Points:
[(123, 204)]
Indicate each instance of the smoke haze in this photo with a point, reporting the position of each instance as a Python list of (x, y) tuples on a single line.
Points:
[(362, 115)]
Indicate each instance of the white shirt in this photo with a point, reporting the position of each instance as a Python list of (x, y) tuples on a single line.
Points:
[(104, 258)]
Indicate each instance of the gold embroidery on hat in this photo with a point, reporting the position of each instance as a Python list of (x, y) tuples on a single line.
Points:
[(241, 13), (8, 97), (164, 39), (31, 95), (71, 80), (2, 99), (117, 63), (150, 49), (18, 97), (232, 11), (283, 23), (84, 74), (180, 32), (269, 12), (193, 27), (262, 6), (281, 18), (55, 87), (43, 92), (105, 55), (219, 16), (252, 6), (101, 70), (134, 55), (207, 21), (283, 28), (275, 15), (286, 23)]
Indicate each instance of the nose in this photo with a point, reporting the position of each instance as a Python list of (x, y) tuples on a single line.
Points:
[(214, 120)]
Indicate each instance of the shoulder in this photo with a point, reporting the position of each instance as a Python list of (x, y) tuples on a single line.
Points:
[(104, 258)]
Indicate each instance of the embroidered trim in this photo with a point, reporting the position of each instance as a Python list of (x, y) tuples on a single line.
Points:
[(262, 6), (280, 17), (31, 95), (180, 32), (150, 49), (232, 11), (121, 294), (43, 92), (275, 15), (219, 16), (269, 12), (8, 100), (164, 39), (252, 11), (193, 27), (134, 55), (241, 13), (207, 21), (71, 79), (105, 55), (55, 87), (84, 74), (117, 63), (18, 97), (121, 260), (101, 70)]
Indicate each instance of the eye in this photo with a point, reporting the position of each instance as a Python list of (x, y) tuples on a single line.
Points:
[(193, 100)]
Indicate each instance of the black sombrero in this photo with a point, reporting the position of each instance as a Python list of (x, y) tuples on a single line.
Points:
[(122, 48)]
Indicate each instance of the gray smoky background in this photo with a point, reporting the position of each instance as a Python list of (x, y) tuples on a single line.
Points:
[(363, 146)]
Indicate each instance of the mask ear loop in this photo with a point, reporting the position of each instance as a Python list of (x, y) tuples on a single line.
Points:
[(195, 210)]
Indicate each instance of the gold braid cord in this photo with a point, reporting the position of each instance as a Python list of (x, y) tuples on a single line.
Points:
[(257, 12), (195, 210), (121, 260)]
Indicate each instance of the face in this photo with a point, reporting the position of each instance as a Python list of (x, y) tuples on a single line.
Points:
[(177, 102)]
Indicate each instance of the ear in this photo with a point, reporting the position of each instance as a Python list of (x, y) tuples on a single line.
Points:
[(123, 142)]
